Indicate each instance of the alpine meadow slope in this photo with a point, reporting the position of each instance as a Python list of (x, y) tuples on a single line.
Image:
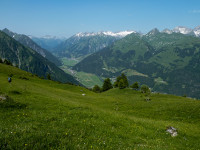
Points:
[(168, 63), (29, 60), (43, 114)]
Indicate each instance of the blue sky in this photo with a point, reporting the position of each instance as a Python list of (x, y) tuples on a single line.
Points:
[(67, 17)]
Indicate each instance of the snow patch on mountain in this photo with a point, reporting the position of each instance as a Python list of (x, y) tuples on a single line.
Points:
[(108, 33), (197, 31), (119, 34), (167, 31), (182, 30)]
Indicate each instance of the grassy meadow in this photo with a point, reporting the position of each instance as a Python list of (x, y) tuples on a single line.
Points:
[(44, 114)]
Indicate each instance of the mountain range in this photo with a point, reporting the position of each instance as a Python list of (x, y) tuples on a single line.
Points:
[(184, 30), (84, 44), (30, 60), (167, 62)]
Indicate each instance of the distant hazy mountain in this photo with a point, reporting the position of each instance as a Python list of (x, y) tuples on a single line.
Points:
[(29, 60), (184, 30), (48, 42), (83, 44), (168, 63), (26, 41)]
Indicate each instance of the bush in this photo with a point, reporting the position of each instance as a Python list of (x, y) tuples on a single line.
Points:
[(96, 89), (145, 89), (7, 62), (135, 86)]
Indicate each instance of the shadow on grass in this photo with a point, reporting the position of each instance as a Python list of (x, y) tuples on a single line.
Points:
[(7, 102), (15, 92)]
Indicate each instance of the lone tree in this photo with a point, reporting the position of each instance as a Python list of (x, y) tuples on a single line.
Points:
[(121, 81), (107, 85), (48, 76), (135, 86), (96, 89), (145, 89)]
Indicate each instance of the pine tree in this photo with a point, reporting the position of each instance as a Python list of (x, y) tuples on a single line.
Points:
[(122, 84), (107, 85), (123, 76), (48, 76), (123, 79)]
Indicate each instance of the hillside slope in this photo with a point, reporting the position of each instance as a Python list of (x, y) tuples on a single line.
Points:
[(42, 114), (29, 60), (166, 62), (28, 42)]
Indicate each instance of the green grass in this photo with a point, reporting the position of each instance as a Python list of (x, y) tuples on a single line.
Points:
[(42, 114), (88, 79), (69, 62)]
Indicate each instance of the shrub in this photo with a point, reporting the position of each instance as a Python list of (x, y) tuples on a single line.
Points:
[(135, 86), (145, 89), (96, 89)]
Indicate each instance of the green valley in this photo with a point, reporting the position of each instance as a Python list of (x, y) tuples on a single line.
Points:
[(174, 58)]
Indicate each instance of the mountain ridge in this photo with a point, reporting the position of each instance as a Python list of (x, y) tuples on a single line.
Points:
[(158, 56), (26, 41), (29, 60)]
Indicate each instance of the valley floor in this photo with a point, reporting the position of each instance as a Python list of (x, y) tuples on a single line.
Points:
[(43, 114)]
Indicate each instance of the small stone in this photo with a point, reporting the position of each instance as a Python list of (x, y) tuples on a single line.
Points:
[(172, 131)]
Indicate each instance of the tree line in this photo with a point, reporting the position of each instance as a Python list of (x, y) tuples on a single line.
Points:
[(121, 83)]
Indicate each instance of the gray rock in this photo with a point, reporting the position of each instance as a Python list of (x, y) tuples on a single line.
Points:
[(172, 131)]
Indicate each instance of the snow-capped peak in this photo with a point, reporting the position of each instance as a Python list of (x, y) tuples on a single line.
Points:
[(81, 34), (107, 33), (182, 30), (167, 31), (119, 34), (197, 31)]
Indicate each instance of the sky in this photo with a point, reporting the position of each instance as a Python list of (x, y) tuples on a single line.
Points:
[(68, 17)]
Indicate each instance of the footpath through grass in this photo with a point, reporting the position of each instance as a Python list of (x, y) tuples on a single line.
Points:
[(42, 114)]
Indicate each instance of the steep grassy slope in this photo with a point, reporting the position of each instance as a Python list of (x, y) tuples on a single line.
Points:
[(29, 60), (43, 114)]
